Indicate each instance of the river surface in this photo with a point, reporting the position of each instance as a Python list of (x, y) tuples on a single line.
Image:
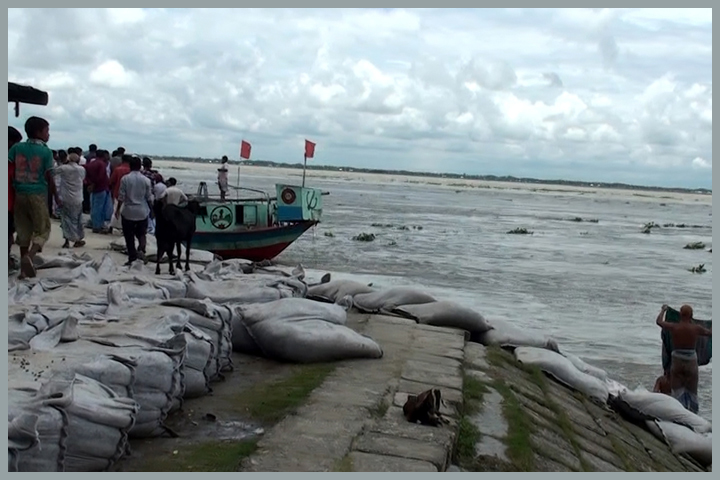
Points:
[(595, 287)]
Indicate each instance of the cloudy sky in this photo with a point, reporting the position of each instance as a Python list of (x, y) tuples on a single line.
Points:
[(591, 94)]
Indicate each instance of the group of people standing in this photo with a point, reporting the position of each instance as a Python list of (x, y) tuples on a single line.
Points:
[(116, 189)]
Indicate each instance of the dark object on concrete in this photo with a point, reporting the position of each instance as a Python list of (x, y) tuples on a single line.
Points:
[(425, 408), (18, 94)]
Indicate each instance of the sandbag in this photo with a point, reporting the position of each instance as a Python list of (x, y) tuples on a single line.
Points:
[(22, 435), (61, 260), (445, 314), (336, 290), (586, 367), (505, 335), (309, 341), (302, 331), (562, 369), (246, 290), (388, 299), (663, 407), (81, 426), (683, 440)]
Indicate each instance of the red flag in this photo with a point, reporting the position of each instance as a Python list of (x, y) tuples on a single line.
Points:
[(309, 149), (245, 150)]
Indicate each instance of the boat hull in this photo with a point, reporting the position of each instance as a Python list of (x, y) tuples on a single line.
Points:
[(255, 244)]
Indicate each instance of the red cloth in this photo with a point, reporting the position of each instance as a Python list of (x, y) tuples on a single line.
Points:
[(96, 175), (11, 189), (117, 175)]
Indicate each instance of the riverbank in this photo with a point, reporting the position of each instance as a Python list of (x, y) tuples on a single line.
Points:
[(167, 167), (347, 416)]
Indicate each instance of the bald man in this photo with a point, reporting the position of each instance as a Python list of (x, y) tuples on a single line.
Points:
[(684, 366)]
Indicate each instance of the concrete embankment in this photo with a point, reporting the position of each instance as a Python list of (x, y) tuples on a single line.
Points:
[(347, 416)]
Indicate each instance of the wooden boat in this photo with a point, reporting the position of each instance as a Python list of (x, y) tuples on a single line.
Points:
[(258, 228)]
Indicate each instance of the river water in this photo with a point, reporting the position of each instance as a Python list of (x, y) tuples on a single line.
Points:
[(595, 287)]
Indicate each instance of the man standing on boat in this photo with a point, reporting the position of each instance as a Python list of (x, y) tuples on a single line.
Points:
[(684, 366), (135, 207), (222, 178), (33, 180)]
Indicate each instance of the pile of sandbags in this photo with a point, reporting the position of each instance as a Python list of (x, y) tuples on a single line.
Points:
[(69, 423)]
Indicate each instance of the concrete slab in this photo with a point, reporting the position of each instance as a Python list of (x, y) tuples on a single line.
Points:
[(605, 454), (598, 464), (551, 445), (479, 375), (394, 424), (370, 462), (491, 447), (593, 436), (423, 356), (449, 394), (491, 420), (531, 404), (421, 374), (544, 464), (436, 367), (402, 447), (526, 387), (391, 320)]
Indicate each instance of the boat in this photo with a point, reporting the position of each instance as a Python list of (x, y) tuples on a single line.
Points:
[(256, 228)]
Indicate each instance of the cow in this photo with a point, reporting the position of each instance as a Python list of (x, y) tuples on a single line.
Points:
[(173, 226)]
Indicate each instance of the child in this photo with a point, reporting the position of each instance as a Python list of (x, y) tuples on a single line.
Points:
[(223, 177), (33, 180)]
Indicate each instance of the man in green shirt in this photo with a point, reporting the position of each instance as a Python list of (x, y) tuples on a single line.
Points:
[(33, 181)]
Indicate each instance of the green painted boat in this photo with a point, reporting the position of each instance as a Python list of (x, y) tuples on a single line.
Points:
[(259, 227)]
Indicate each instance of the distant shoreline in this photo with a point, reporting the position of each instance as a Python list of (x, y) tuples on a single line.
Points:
[(482, 178), (458, 184)]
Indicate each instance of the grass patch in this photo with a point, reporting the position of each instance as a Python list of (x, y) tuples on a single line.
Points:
[(271, 402), (520, 427), (468, 433), (345, 464), (216, 456)]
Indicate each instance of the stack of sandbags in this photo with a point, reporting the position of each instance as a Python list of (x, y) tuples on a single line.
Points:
[(445, 314), (71, 423), (245, 289), (503, 334), (299, 330), (385, 301)]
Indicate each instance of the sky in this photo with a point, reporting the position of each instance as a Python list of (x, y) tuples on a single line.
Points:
[(613, 95)]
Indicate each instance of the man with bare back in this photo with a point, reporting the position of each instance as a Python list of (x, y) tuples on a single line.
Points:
[(684, 365)]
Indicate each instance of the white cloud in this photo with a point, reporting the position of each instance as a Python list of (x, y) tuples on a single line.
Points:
[(597, 94)]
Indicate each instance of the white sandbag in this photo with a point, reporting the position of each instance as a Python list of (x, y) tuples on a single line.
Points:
[(61, 260), (196, 256), (505, 335), (563, 371), (336, 290), (22, 435), (308, 341), (584, 367), (82, 425), (294, 309), (388, 299), (683, 440), (303, 331), (245, 290), (665, 408), (445, 314)]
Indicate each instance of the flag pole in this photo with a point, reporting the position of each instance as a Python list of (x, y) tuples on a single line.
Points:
[(304, 167)]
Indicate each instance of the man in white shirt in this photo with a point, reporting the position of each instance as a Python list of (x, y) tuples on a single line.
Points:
[(173, 195), (71, 175)]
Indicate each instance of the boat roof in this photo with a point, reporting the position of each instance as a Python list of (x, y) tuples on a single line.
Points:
[(25, 94)]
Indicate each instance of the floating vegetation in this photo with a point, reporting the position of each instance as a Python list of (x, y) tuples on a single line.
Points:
[(584, 233), (382, 225), (576, 219), (403, 227), (695, 246), (682, 225), (593, 220), (520, 231), (392, 243), (699, 269), (649, 226), (364, 237), (329, 234)]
